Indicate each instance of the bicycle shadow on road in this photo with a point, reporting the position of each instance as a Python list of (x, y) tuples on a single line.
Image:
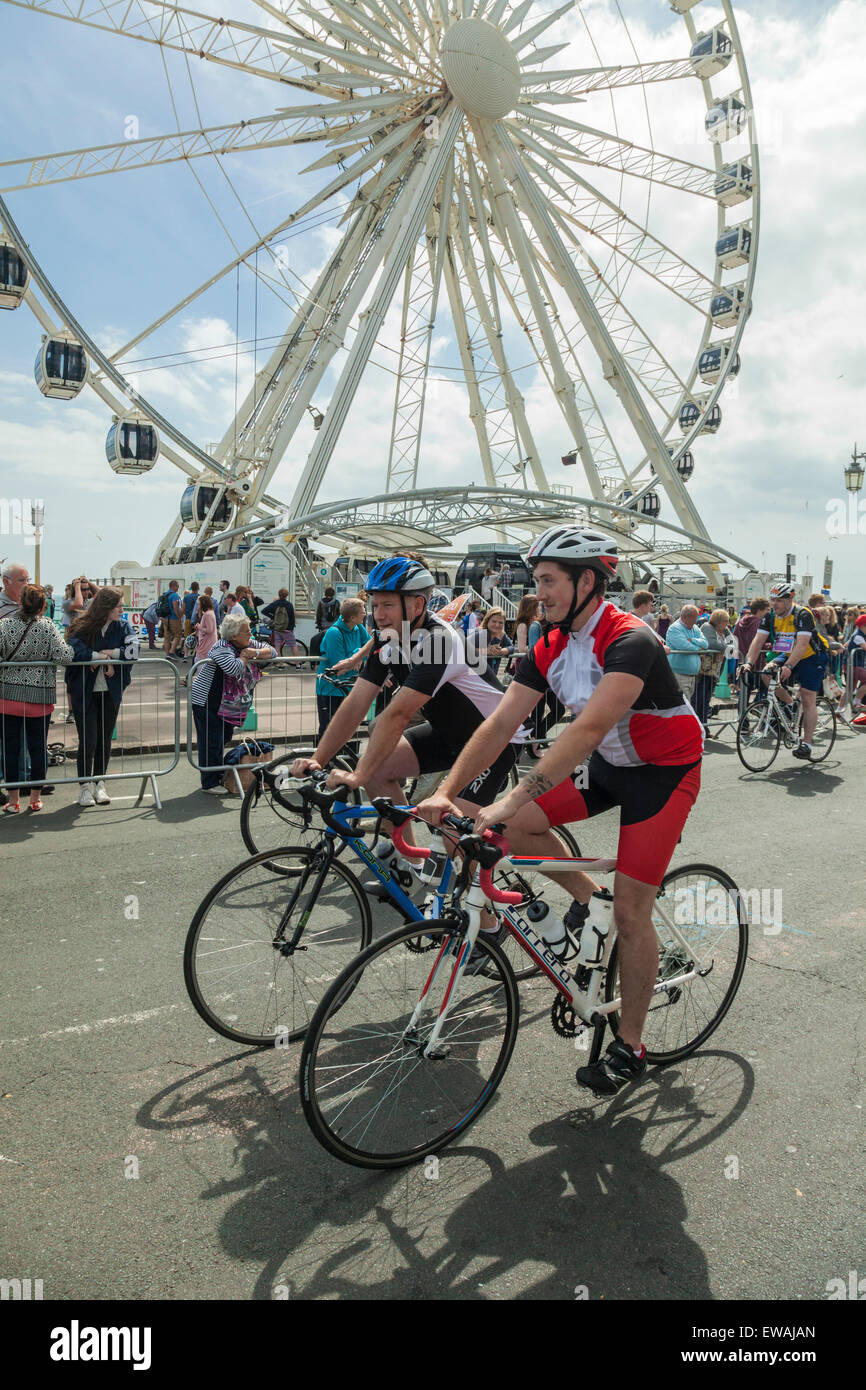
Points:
[(596, 1210)]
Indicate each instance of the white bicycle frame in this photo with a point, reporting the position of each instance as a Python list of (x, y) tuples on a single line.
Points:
[(586, 1003)]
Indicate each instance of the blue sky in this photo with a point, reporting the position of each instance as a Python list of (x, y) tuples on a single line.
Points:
[(125, 247)]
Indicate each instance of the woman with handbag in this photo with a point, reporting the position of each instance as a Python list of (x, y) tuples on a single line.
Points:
[(716, 630), (101, 636), (221, 690), (27, 693)]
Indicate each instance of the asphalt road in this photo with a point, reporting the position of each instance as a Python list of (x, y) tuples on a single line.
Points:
[(736, 1174)]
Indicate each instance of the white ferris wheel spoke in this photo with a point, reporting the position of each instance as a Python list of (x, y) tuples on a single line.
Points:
[(530, 35), (230, 43), (579, 83), (517, 16), (612, 152), (354, 32), (254, 133)]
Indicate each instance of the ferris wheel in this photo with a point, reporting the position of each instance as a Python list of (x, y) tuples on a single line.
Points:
[(507, 213)]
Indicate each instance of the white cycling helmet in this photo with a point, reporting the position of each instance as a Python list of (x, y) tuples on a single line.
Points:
[(573, 545), (782, 591)]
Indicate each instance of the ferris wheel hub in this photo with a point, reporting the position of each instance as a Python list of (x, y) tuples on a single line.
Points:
[(481, 69)]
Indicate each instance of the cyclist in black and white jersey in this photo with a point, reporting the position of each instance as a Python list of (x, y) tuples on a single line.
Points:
[(426, 659)]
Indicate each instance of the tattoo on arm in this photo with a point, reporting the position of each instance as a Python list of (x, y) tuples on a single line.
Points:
[(536, 785)]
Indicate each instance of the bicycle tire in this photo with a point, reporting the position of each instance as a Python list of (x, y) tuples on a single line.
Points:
[(760, 725), (666, 1000), (221, 984), (270, 816), (368, 1026), (825, 707)]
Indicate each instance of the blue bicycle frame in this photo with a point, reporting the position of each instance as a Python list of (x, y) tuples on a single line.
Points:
[(342, 812)]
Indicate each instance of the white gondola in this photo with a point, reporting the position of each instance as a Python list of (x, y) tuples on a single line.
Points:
[(197, 501), (696, 410), (14, 276), (735, 184), (61, 368), (734, 246), (650, 505), (727, 305), (132, 445), (725, 119), (711, 52), (713, 361)]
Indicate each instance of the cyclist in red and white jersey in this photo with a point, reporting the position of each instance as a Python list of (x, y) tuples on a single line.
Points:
[(644, 744)]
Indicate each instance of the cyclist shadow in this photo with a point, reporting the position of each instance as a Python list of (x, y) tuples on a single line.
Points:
[(596, 1210), (598, 1213), (802, 780)]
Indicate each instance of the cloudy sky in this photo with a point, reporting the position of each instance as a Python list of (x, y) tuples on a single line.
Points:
[(121, 249)]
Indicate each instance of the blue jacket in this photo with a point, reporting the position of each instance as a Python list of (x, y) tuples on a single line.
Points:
[(686, 644), (339, 642), (80, 680)]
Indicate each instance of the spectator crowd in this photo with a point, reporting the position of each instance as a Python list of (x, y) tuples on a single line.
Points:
[(87, 635)]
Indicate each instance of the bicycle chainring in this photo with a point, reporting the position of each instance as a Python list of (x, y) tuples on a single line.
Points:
[(563, 1019)]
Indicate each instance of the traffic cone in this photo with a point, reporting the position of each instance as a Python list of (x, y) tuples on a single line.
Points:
[(723, 689)]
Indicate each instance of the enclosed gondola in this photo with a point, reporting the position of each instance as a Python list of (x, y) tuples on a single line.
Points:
[(693, 411), (725, 119), (734, 246), (650, 505), (727, 305), (197, 501), (61, 368), (685, 465), (132, 445), (711, 52), (713, 360), (735, 184), (14, 276)]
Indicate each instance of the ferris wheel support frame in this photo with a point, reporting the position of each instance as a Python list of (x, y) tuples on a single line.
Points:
[(471, 507)]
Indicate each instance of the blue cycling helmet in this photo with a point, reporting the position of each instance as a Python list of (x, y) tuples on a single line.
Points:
[(397, 575)]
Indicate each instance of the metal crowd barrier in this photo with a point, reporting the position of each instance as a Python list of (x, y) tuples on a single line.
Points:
[(850, 683), (284, 712), (144, 741)]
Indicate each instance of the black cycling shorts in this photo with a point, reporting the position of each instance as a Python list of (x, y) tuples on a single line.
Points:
[(435, 755)]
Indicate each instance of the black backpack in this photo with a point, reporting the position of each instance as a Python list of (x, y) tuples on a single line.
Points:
[(163, 605)]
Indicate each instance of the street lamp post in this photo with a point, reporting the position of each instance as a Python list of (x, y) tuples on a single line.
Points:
[(854, 472), (37, 518)]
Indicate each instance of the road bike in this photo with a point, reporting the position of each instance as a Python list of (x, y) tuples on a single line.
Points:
[(408, 1047), (767, 721), (274, 932)]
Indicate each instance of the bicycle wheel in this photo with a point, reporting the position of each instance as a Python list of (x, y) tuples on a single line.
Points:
[(559, 898), (241, 970), (705, 906), (825, 731), (369, 1095), (758, 737), (272, 818)]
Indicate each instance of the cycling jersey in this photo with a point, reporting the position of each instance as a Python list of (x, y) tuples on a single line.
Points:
[(660, 729), (461, 695), (782, 633)]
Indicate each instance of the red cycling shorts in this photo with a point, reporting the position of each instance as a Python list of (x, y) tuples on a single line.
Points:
[(654, 805)]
